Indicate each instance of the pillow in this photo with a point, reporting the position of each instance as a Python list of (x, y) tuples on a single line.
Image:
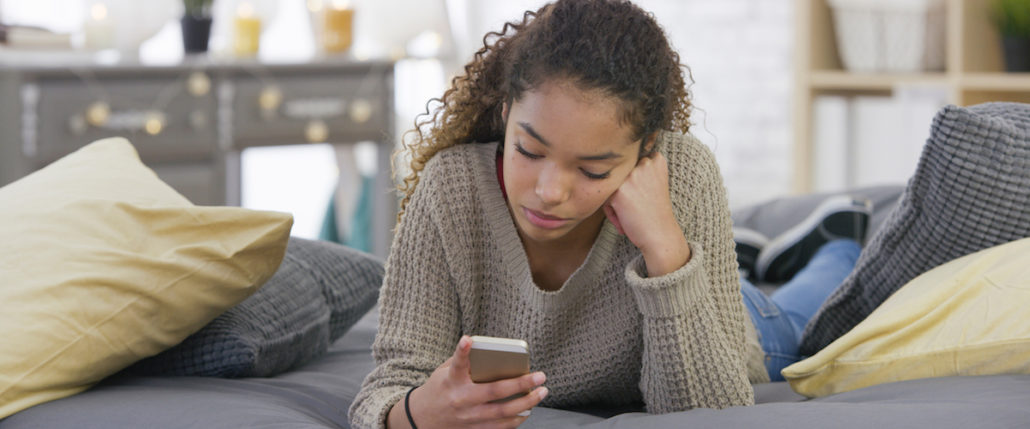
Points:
[(319, 292), (103, 264), (970, 191), (966, 317)]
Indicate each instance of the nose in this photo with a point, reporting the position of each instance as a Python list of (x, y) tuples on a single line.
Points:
[(553, 187)]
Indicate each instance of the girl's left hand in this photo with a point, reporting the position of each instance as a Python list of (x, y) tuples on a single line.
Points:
[(641, 209)]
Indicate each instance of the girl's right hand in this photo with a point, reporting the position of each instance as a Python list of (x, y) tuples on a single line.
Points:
[(450, 399)]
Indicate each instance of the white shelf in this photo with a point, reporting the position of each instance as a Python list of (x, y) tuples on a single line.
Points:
[(974, 70)]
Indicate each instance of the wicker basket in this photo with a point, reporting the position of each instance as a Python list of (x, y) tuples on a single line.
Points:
[(890, 35)]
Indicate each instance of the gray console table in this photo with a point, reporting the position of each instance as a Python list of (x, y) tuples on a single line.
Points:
[(191, 121)]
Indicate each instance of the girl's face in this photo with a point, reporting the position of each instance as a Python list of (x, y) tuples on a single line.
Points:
[(565, 154)]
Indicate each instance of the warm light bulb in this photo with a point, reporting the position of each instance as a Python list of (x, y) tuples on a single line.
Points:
[(198, 84), (341, 4), (317, 131), (98, 12), (315, 6), (361, 111), (154, 123), (270, 98), (98, 113)]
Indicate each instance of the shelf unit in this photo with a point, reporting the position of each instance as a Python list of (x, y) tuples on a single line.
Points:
[(974, 70)]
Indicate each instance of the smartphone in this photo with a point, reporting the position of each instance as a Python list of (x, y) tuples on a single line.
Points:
[(493, 358)]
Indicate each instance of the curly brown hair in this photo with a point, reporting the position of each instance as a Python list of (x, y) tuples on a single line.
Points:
[(608, 45)]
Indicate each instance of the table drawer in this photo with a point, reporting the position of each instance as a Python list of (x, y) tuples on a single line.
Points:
[(185, 126), (310, 108)]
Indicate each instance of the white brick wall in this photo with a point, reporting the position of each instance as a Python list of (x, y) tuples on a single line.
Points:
[(740, 53)]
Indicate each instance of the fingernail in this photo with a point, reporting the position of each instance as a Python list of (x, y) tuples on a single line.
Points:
[(543, 392), (539, 378)]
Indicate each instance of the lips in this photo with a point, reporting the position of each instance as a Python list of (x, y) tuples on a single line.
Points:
[(542, 220)]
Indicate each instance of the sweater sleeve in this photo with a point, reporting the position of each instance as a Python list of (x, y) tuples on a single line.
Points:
[(419, 321), (695, 345)]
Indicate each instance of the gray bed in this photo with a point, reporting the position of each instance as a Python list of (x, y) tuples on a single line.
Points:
[(318, 393), (317, 396)]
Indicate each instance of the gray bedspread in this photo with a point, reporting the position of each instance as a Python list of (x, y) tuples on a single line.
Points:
[(318, 394)]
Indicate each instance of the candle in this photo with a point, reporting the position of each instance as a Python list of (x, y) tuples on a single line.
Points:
[(337, 27), (247, 31), (99, 30)]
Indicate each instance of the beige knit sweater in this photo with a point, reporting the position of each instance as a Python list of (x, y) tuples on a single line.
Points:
[(609, 336)]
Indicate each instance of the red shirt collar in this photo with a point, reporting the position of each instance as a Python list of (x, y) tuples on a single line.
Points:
[(500, 174)]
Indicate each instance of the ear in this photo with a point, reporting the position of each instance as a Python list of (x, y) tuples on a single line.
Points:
[(504, 111), (650, 143)]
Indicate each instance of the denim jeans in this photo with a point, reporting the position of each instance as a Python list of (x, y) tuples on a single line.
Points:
[(780, 319)]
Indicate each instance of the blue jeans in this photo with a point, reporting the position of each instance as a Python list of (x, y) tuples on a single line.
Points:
[(780, 319)]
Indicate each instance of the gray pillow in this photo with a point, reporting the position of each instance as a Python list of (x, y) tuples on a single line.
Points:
[(970, 191), (319, 291)]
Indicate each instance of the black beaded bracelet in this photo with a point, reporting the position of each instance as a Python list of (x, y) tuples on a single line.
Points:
[(407, 409)]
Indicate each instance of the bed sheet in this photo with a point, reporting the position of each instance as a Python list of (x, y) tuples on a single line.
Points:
[(317, 396)]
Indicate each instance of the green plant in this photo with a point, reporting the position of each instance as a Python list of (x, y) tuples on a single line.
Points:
[(198, 8), (1012, 17)]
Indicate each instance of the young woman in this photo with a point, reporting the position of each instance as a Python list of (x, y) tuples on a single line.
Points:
[(557, 197)]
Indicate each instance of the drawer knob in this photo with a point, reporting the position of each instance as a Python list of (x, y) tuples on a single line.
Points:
[(198, 120), (316, 131), (77, 124)]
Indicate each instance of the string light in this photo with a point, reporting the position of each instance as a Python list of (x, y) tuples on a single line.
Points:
[(98, 113), (361, 111), (154, 123), (198, 84), (317, 131), (270, 98)]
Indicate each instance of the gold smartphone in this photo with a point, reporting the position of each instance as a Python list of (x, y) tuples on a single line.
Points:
[(493, 358)]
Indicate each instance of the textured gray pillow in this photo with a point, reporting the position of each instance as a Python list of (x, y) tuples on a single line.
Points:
[(319, 291), (970, 191)]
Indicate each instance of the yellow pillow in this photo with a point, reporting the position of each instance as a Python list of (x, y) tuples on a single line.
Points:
[(102, 264), (966, 317)]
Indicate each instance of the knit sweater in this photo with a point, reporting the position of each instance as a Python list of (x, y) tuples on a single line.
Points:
[(609, 336)]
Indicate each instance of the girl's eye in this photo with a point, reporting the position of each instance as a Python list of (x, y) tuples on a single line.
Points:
[(595, 176), (524, 152)]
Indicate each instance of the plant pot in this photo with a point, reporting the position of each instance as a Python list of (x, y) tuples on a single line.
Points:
[(195, 33), (1017, 53)]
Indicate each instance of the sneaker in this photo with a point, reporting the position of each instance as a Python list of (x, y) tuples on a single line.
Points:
[(748, 244), (839, 217)]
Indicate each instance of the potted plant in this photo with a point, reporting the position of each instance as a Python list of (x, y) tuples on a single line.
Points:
[(1012, 17), (196, 25)]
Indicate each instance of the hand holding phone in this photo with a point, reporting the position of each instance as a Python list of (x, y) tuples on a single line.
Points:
[(450, 398)]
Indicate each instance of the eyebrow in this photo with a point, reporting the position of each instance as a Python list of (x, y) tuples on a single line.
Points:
[(601, 157)]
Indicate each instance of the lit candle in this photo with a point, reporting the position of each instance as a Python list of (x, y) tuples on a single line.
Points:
[(99, 29), (338, 27), (247, 31), (317, 18)]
